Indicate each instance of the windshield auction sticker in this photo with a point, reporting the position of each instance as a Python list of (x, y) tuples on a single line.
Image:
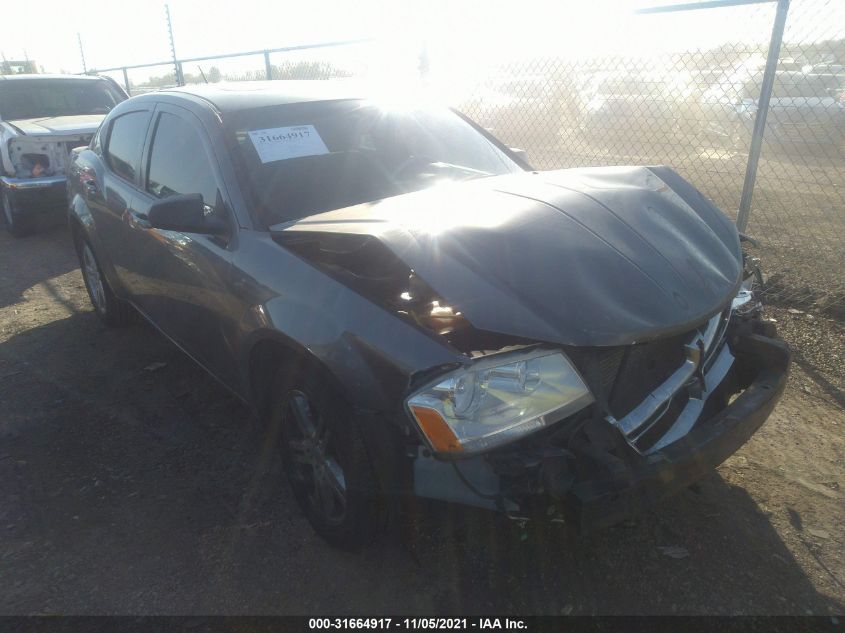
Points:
[(282, 143)]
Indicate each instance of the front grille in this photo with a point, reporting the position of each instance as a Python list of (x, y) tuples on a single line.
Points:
[(644, 368), (668, 366), (640, 386), (599, 368)]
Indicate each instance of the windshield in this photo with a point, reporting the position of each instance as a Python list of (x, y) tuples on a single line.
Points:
[(299, 159), (38, 98)]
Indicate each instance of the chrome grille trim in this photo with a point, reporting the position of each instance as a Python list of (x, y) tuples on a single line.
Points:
[(687, 418), (704, 355)]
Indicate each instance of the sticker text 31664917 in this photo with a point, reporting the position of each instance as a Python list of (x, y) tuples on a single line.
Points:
[(281, 143)]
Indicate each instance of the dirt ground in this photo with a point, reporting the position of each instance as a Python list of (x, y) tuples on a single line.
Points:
[(128, 486)]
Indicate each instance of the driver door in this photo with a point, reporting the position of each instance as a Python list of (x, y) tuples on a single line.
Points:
[(187, 273)]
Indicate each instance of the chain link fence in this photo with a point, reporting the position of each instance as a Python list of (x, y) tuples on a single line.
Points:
[(692, 107), (362, 59)]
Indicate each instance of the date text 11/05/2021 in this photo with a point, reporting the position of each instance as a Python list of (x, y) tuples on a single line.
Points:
[(418, 623)]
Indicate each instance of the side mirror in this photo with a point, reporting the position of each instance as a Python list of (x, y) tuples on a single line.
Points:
[(184, 213)]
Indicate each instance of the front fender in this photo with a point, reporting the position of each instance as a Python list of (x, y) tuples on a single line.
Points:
[(362, 361), (80, 219), (370, 352)]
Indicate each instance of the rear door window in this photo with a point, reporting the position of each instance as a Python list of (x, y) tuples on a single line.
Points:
[(126, 141)]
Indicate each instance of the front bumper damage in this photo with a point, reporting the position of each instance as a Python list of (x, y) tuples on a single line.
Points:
[(603, 501), (595, 471)]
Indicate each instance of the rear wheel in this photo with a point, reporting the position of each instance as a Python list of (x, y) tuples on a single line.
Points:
[(325, 460), (18, 225), (111, 310)]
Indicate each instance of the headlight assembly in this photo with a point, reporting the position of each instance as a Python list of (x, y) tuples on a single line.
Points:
[(498, 399)]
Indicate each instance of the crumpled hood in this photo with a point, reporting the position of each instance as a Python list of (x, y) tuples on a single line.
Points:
[(585, 257), (46, 126)]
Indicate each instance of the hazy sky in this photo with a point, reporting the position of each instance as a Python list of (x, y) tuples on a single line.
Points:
[(457, 32)]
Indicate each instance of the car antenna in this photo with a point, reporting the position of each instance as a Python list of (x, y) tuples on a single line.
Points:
[(202, 73)]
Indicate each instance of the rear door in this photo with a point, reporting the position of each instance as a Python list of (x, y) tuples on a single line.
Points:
[(111, 191), (186, 274)]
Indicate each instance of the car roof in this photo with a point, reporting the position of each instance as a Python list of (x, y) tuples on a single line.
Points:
[(49, 77), (241, 95)]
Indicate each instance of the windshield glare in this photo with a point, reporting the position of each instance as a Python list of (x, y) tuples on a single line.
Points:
[(38, 98), (321, 156)]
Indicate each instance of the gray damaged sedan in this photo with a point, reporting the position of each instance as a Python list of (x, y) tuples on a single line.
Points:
[(414, 312)]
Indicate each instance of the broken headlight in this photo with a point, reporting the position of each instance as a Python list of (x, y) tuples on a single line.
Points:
[(498, 399)]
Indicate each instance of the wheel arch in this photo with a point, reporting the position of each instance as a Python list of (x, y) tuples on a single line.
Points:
[(271, 351), (81, 225), (76, 228), (383, 441), (79, 217)]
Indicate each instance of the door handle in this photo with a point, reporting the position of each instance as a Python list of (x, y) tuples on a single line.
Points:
[(137, 220)]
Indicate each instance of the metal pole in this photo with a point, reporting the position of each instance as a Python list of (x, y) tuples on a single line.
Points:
[(762, 111), (126, 82), (268, 69), (180, 81), (82, 53)]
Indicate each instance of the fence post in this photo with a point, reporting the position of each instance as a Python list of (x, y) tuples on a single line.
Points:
[(268, 69), (760, 116), (126, 82)]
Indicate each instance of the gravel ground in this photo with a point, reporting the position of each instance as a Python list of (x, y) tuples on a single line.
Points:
[(129, 485)]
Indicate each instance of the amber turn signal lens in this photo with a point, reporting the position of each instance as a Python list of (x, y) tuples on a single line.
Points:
[(442, 439)]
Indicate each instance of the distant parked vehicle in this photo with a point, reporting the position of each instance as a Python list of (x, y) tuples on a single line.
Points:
[(526, 110), (628, 110), (42, 118), (806, 110)]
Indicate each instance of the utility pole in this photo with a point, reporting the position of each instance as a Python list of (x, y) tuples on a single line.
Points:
[(180, 80), (82, 53)]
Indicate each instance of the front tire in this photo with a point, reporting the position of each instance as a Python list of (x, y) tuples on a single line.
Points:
[(16, 224), (112, 311), (324, 457)]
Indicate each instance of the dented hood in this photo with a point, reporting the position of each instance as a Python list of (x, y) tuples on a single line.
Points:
[(586, 257), (59, 125)]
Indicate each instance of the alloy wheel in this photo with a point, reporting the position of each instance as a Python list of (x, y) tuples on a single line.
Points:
[(316, 468), (93, 279)]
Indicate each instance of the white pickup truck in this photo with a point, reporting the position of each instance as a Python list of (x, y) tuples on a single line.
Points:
[(42, 118)]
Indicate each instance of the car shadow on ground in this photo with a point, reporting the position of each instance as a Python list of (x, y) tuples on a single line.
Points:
[(133, 483), (36, 259)]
